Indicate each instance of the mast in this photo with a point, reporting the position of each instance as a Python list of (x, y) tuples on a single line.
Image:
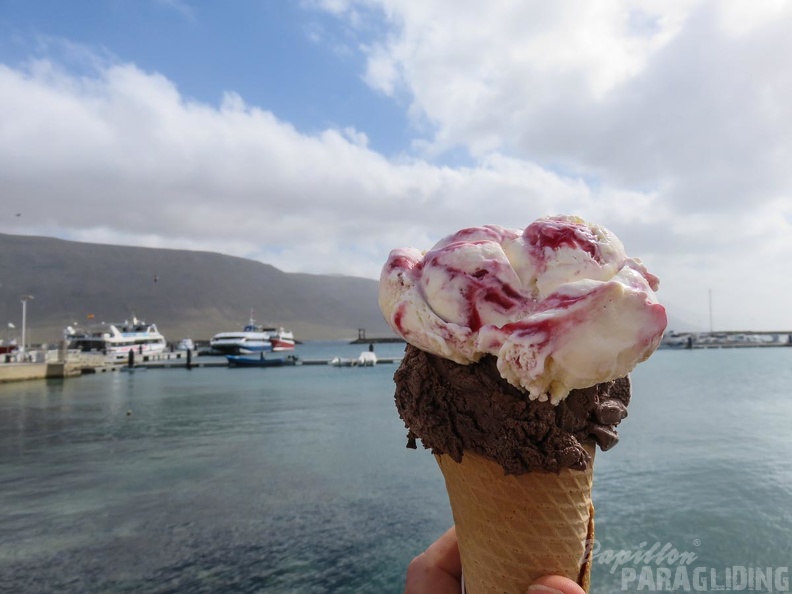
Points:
[(710, 311)]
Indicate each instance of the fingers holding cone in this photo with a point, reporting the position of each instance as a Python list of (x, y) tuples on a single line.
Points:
[(555, 584), (438, 569)]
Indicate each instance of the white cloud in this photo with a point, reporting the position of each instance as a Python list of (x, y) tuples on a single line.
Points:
[(690, 99), (677, 114), (124, 155)]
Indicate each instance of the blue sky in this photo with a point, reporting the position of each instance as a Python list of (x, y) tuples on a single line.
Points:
[(299, 62), (345, 128)]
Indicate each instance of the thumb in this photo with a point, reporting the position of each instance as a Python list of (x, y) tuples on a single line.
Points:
[(555, 584)]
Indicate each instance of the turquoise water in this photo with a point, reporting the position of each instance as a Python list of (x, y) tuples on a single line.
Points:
[(297, 480)]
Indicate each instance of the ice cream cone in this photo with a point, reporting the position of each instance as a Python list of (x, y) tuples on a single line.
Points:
[(515, 529)]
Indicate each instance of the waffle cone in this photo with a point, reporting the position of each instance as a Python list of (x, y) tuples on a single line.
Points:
[(513, 530)]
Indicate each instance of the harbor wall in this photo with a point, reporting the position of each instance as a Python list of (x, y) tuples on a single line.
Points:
[(60, 363), (15, 372)]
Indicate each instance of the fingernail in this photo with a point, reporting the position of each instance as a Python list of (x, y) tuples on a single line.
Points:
[(545, 589)]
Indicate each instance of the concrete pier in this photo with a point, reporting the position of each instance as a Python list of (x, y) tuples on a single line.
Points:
[(76, 364), (54, 364), (15, 372)]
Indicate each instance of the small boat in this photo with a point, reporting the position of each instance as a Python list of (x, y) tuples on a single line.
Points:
[(365, 359), (7, 349), (117, 340), (261, 361), (342, 362), (185, 344)]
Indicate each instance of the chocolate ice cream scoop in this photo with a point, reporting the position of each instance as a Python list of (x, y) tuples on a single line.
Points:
[(455, 408)]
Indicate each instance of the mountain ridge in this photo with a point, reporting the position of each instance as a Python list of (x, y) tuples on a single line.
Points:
[(186, 293)]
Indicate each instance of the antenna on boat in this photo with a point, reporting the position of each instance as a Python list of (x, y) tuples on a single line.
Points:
[(710, 309)]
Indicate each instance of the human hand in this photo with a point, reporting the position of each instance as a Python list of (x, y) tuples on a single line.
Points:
[(438, 570)]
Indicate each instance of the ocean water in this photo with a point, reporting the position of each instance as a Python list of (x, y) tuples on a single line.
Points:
[(296, 479)]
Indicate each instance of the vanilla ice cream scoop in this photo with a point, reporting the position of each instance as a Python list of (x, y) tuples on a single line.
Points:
[(559, 304)]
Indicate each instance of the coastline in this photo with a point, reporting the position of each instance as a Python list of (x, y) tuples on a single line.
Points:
[(726, 339)]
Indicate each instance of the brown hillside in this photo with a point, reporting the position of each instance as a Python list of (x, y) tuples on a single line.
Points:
[(187, 294)]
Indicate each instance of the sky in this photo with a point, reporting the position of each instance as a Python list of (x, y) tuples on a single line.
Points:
[(317, 135)]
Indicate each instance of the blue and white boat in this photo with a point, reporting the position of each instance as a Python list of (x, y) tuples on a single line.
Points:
[(252, 339)]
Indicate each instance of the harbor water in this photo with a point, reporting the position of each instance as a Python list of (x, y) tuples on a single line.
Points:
[(297, 479)]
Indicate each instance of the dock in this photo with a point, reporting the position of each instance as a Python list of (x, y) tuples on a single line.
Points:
[(55, 365), (203, 362)]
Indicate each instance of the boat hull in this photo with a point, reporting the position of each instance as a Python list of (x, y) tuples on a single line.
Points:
[(241, 349), (280, 345)]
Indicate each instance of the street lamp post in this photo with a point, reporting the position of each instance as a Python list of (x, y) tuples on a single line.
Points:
[(24, 299)]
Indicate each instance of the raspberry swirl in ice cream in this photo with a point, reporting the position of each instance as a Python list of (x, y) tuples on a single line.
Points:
[(560, 305)]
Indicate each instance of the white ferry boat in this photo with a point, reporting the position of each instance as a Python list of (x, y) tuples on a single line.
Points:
[(253, 338), (116, 340)]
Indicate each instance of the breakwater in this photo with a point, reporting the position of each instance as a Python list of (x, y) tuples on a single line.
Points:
[(727, 339)]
